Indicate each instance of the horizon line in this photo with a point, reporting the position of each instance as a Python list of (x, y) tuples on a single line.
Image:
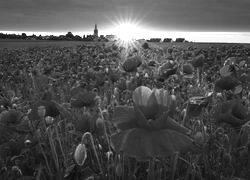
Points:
[(198, 36)]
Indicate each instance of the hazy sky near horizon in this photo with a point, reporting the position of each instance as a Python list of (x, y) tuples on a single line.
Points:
[(163, 15)]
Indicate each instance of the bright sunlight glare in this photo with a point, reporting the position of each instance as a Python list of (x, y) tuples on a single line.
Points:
[(126, 31)]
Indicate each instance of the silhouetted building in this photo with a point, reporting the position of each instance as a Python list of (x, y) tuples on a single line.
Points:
[(96, 31), (181, 40), (111, 37), (167, 40), (154, 40)]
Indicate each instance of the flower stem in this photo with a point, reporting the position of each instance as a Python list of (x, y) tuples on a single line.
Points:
[(93, 147)]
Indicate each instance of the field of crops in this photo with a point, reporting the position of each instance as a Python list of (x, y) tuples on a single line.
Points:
[(102, 111), (13, 44)]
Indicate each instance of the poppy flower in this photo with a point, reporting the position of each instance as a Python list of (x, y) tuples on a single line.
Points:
[(187, 69), (50, 106), (11, 117), (86, 123), (146, 129), (228, 70), (226, 83), (167, 69), (114, 76), (81, 99), (198, 61), (131, 64), (231, 112)]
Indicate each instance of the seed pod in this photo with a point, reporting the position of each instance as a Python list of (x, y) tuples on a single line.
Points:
[(80, 154)]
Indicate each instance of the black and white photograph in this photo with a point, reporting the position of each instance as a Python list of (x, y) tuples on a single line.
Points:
[(124, 90)]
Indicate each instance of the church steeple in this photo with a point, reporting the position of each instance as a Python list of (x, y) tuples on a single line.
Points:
[(96, 31)]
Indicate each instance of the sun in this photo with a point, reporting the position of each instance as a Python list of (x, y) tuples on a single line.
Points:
[(127, 31)]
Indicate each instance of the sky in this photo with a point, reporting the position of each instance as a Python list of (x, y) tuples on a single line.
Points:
[(207, 20)]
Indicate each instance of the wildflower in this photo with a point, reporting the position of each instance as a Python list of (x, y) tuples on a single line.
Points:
[(51, 109), (82, 99), (147, 130), (231, 112)]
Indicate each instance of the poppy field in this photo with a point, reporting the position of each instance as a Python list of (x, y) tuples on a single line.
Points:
[(152, 111)]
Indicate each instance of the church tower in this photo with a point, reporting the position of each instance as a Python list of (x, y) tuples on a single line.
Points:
[(96, 31)]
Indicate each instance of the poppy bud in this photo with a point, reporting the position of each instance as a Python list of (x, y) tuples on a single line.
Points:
[(49, 120), (17, 170), (109, 154), (106, 70), (99, 123), (41, 110), (27, 142), (80, 154), (199, 138), (146, 75)]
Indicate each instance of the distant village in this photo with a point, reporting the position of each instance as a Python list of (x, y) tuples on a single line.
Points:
[(91, 38)]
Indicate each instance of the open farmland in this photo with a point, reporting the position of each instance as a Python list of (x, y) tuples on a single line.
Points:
[(73, 110), (13, 44)]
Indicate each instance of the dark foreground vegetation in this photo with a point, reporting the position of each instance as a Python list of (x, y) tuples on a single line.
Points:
[(99, 111)]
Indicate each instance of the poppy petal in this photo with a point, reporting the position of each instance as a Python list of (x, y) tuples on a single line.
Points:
[(141, 95), (124, 117), (166, 122), (141, 143)]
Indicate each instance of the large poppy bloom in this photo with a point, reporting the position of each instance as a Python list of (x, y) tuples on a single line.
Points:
[(146, 130), (231, 112), (226, 83)]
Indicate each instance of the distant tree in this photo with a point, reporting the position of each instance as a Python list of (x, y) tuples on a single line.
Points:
[(167, 40), (155, 40), (77, 38), (69, 36), (24, 36), (39, 37)]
